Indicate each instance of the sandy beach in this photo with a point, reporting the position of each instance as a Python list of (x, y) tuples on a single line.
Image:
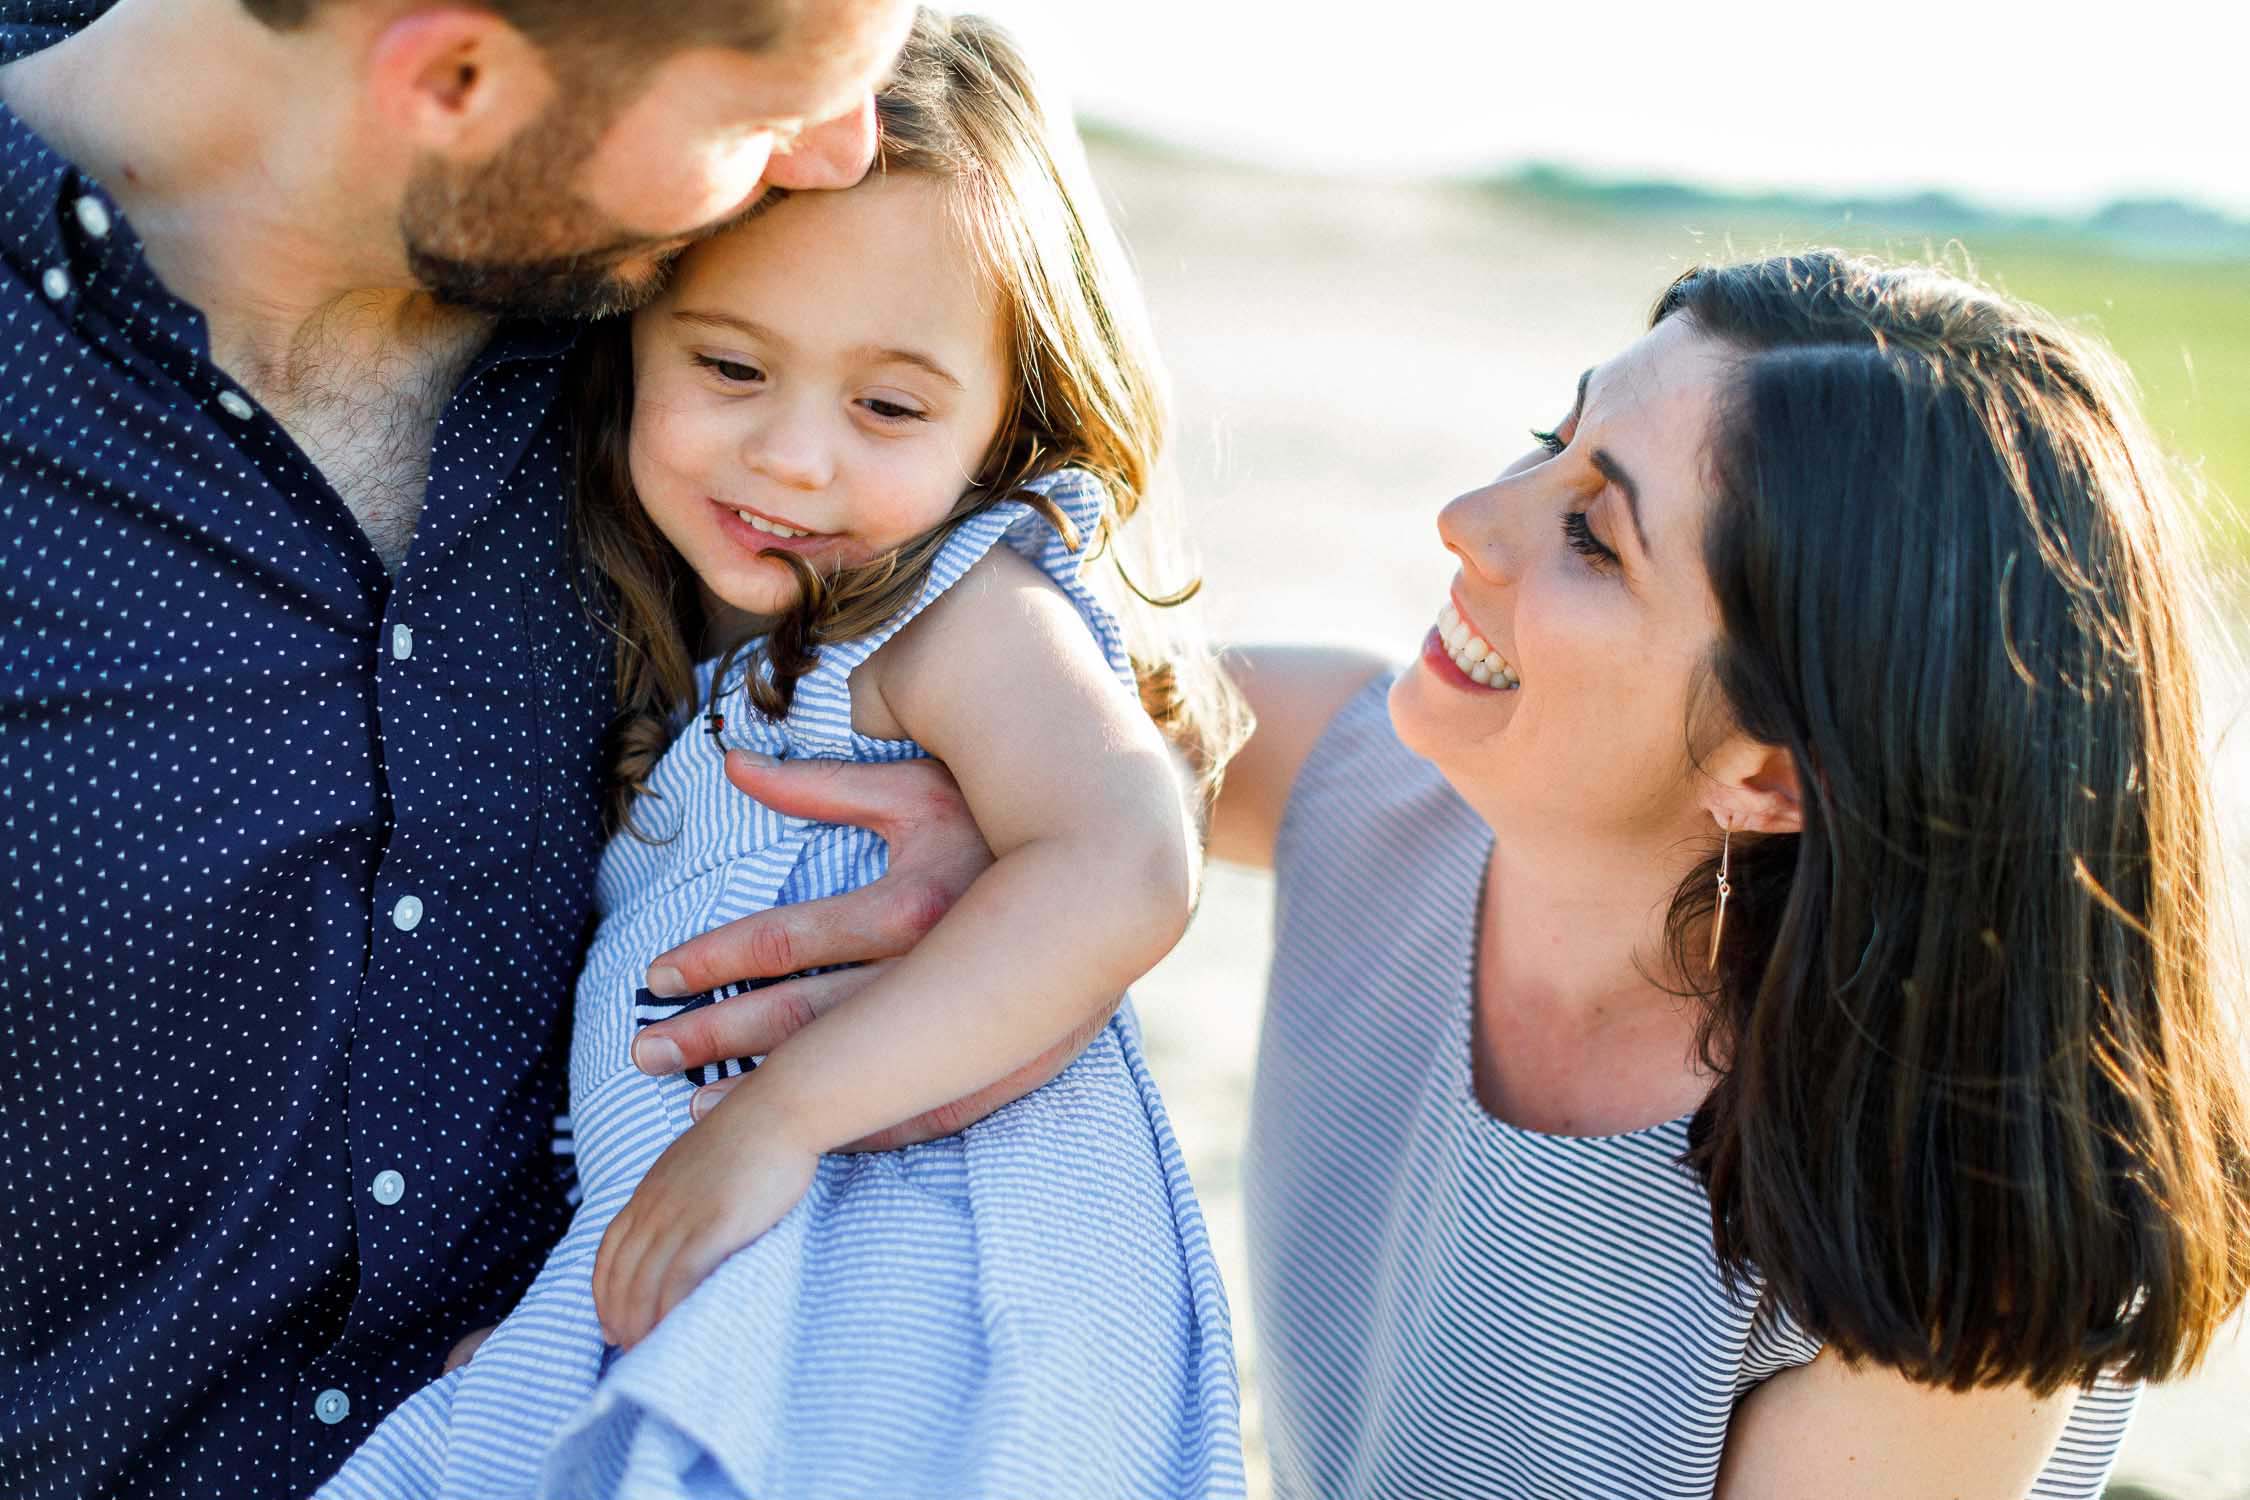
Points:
[(1345, 358)]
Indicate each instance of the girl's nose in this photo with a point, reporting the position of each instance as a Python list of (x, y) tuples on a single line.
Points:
[(1480, 529), (790, 450)]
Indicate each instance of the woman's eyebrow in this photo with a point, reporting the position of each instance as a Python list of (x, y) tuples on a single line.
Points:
[(1606, 465), (1609, 468)]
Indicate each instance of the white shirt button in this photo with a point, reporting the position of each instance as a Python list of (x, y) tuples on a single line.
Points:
[(55, 282), (332, 1406), (232, 403), (407, 913), (388, 1188), (402, 642), (93, 217)]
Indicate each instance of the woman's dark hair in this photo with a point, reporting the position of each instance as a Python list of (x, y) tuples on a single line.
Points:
[(1980, 1116)]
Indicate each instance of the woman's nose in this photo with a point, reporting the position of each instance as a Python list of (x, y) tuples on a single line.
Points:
[(833, 154), (1479, 529)]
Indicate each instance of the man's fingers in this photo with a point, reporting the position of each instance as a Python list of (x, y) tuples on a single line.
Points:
[(881, 920), (746, 1025), (936, 853), (897, 794), (706, 1098), (465, 1350)]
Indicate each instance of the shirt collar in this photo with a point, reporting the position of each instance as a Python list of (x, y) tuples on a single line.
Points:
[(35, 194)]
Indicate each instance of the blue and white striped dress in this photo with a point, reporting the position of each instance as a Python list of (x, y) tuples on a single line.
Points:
[(1449, 1305), (1029, 1308)]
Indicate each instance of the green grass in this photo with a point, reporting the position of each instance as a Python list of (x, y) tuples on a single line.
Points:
[(2184, 329)]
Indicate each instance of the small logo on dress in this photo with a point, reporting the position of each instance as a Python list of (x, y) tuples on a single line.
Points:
[(649, 1008)]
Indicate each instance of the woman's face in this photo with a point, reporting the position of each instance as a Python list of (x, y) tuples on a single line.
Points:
[(1583, 604), (823, 380)]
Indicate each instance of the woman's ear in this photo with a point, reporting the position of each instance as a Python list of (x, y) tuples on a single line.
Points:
[(457, 83), (1753, 788)]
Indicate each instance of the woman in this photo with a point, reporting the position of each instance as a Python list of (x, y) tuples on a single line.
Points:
[(1743, 1020)]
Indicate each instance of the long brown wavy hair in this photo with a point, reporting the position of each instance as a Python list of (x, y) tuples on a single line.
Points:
[(1086, 393), (1981, 1110)]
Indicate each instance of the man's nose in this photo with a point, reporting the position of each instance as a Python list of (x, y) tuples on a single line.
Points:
[(833, 154)]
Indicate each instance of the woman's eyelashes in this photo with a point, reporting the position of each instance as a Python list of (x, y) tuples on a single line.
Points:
[(1581, 539), (1578, 535)]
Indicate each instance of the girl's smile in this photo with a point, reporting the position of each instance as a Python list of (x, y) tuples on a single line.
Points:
[(757, 531)]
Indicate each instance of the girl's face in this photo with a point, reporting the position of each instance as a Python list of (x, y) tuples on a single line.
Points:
[(823, 380), (1583, 602)]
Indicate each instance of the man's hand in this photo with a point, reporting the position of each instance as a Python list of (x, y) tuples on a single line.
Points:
[(466, 1349), (936, 853)]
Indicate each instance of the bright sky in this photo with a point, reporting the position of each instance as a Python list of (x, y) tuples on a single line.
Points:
[(2047, 105)]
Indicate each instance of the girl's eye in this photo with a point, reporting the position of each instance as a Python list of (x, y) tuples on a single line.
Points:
[(892, 411), (1548, 441), (732, 371), (1581, 540)]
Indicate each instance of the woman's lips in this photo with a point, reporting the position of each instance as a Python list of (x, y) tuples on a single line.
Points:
[(1472, 657)]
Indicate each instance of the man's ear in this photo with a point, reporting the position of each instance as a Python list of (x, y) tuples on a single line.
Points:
[(456, 83), (1753, 788)]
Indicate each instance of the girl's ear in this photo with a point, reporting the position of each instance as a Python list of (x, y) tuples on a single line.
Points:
[(457, 83), (1753, 788)]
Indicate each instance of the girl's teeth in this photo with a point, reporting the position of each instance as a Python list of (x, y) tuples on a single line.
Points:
[(760, 523)]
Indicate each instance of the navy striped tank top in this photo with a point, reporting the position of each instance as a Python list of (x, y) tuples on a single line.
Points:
[(1449, 1305)]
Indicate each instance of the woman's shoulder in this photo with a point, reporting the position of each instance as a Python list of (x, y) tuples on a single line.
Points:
[(1360, 787)]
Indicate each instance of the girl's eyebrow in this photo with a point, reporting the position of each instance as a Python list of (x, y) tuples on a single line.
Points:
[(726, 320), (913, 357), (763, 334)]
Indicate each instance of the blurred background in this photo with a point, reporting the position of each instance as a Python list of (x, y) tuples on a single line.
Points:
[(1381, 241)]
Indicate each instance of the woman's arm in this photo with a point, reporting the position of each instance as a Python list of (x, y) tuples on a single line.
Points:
[(1294, 691), (1871, 1434), (1076, 794)]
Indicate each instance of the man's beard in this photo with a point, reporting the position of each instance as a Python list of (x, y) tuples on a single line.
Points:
[(593, 284), (494, 238)]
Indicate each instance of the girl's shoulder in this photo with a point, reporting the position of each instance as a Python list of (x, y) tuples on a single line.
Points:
[(993, 593), (971, 638)]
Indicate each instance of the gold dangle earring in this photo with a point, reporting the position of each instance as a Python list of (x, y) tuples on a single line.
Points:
[(1719, 918)]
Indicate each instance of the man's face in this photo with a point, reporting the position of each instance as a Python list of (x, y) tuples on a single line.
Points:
[(580, 213)]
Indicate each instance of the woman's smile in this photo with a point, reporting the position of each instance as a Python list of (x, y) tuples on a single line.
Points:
[(1461, 655)]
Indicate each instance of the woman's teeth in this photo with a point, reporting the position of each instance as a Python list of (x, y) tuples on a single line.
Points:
[(760, 523), (1473, 654)]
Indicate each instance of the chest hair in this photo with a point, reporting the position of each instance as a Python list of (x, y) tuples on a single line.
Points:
[(368, 424)]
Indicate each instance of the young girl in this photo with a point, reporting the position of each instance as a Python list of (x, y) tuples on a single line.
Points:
[(858, 455)]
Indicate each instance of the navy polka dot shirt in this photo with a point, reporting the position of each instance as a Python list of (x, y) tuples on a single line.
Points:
[(295, 867)]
